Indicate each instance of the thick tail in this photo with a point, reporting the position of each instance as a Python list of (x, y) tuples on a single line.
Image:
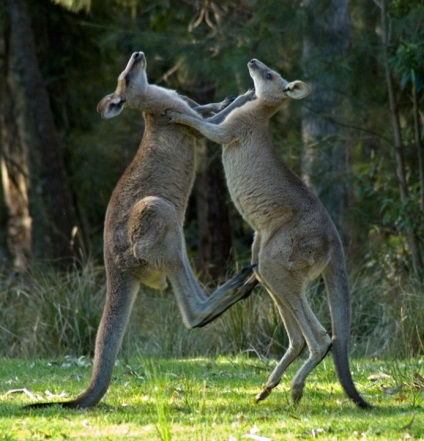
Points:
[(335, 277), (121, 294), (78, 403)]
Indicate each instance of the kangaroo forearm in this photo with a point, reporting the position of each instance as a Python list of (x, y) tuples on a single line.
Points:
[(216, 133), (189, 101), (238, 102), (206, 109)]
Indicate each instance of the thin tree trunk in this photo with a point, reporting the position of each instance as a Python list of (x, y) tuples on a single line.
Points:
[(400, 160), (53, 218), (13, 162), (4, 217), (397, 133), (215, 238), (219, 221), (418, 143), (14, 175)]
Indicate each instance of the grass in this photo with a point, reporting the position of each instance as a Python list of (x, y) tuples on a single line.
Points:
[(189, 385), (211, 399), (44, 312)]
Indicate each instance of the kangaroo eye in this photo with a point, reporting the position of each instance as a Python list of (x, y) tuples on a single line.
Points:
[(268, 76)]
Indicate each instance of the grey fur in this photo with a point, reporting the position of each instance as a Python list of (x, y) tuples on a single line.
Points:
[(143, 236), (295, 238)]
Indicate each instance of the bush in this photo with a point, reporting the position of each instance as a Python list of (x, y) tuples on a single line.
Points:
[(44, 313)]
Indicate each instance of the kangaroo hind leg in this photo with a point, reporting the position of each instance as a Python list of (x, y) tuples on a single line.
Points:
[(289, 287), (296, 346), (317, 339), (198, 309), (154, 234)]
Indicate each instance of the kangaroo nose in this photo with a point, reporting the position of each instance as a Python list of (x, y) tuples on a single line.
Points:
[(138, 55)]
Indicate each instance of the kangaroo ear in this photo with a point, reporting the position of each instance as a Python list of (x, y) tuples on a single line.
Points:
[(111, 106), (297, 90)]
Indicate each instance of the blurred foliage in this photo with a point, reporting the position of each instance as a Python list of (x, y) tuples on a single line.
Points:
[(205, 44), (46, 313), (191, 45)]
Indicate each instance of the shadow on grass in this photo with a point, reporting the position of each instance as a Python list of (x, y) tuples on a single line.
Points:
[(217, 387)]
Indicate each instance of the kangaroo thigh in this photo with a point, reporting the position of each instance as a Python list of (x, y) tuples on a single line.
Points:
[(154, 231)]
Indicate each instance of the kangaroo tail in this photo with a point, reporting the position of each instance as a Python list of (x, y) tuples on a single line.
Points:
[(121, 293), (74, 404), (335, 278)]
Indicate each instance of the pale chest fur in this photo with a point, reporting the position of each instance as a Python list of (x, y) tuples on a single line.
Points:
[(252, 182), (264, 190)]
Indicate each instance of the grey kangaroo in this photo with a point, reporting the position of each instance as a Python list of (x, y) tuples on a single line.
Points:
[(143, 235), (295, 239)]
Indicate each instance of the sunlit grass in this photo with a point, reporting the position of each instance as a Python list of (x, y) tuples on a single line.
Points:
[(212, 399), (184, 397)]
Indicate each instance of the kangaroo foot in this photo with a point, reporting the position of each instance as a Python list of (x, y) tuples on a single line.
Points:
[(243, 274), (248, 287), (240, 294), (264, 394)]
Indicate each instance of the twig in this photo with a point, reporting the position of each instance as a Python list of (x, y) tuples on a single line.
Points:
[(22, 391)]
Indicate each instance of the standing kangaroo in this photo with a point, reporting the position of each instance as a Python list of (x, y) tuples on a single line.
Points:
[(295, 239), (143, 236)]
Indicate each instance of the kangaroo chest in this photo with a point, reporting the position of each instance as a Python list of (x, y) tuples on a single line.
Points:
[(251, 184)]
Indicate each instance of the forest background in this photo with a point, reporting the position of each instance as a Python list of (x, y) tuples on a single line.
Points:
[(357, 141)]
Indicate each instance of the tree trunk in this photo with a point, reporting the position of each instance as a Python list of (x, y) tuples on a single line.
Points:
[(418, 143), (32, 156), (215, 238), (397, 132), (325, 161), (14, 172), (13, 161), (4, 254)]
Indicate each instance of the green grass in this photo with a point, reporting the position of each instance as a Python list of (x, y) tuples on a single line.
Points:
[(212, 399), (181, 397)]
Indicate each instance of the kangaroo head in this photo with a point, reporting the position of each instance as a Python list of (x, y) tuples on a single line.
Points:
[(271, 88), (132, 82)]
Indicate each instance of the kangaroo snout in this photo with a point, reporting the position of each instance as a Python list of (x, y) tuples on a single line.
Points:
[(137, 56)]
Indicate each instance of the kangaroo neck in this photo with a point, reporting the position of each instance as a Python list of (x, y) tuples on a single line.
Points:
[(170, 151), (266, 111)]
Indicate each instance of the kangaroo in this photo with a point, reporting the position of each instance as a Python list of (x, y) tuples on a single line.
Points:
[(143, 235), (295, 239)]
